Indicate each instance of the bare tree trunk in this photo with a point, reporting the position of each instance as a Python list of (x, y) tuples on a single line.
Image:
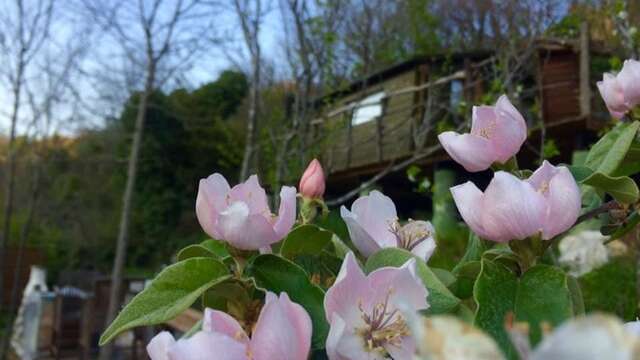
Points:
[(252, 121), (121, 245), (10, 174), (250, 24), (26, 228)]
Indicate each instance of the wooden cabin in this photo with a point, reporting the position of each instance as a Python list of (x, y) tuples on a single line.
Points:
[(390, 116)]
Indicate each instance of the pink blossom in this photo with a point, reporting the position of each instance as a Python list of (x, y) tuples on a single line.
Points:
[(548, 203), (373, 225), (621, 92), (497, 133), (283, 331), (312, 181), (241, 215), (363, 312)]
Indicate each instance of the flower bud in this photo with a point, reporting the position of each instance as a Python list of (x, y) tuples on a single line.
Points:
[(312, 181)]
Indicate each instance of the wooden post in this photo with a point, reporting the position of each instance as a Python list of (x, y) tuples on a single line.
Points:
[(349, 119), (585, 89), (380, 128)]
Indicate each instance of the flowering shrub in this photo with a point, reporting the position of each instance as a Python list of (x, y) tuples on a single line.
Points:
[(282, 287)]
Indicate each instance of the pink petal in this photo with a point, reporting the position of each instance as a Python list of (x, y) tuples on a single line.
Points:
[(613, 95), (513, 208), (564, 203), (349, 289), (205, 346), (344, 344), (359, 236), (283, 331), (629, 80), (425, 249), (510, 130), (286, 212), (474, 153), (312, 184), (375, 213), (245, 231), (220, 322), (400, 285), (483, 120), (542, 176), (251, 193), (158, 347), (469, 201), (210, 201)]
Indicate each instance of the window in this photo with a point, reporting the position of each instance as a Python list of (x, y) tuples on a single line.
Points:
[(368, 109), (456, 93)]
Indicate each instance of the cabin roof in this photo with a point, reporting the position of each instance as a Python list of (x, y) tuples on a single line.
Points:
[(546, 43)]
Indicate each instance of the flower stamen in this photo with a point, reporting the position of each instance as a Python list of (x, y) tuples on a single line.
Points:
[(408, 236), (384, 326)]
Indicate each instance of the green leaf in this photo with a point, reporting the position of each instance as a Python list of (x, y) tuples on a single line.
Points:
[(623, 188), (466, 276), (171, 292), (607, 154), (277, 274), (446, 277), (541, 294), (611, 288), (305, 240), (630, 165), (219, 295), (495, 293), (207, 248), (440, 299), (475, 248), (580, 172)]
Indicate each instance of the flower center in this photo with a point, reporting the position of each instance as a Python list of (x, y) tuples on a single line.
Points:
[(382, 326), (544, 187), (486, 132), (408, 236)]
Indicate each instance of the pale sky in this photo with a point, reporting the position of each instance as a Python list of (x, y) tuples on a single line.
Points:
[(213, 60)]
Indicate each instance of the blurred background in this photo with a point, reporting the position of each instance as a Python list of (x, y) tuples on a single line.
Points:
[(111, 111)]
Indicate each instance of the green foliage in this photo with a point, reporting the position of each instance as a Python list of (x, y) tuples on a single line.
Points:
[(440, 298), (174, 289), (550, 149), (305, 240), (607, 154), (277, 275), (611, 288), (207, 248), (541, 295)]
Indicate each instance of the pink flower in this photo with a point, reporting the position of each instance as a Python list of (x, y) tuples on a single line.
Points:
[(283, 331), (363, 312), (312, 181), (373, 225), (621, 92), (241, 215), (548, 203), (497, 133)]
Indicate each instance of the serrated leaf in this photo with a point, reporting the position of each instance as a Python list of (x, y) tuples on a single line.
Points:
[(277, 274), (170, 293), (440, 299)]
